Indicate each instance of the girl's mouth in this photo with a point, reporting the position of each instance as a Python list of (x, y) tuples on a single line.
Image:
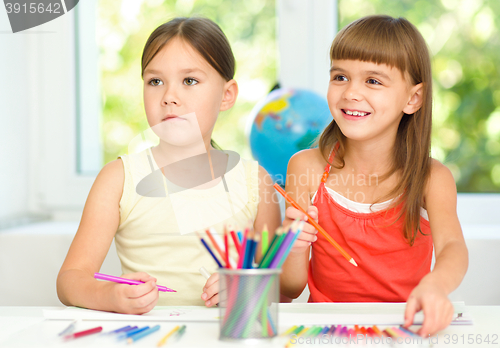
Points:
[(354, 114)]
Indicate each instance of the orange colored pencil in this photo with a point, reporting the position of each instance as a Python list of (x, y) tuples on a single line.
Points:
[(316, 225), (216, 246)]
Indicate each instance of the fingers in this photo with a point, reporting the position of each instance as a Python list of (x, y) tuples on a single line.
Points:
[(313, 212), (211, 280), (412, 307), (138, 299), (437, 316), (211, 292), (141, 276)]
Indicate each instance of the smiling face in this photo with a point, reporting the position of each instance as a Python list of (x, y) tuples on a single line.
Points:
[(183, 94), (368, 100)]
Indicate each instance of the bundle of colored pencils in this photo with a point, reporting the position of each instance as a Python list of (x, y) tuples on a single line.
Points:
[(247, 295), (246, 245)]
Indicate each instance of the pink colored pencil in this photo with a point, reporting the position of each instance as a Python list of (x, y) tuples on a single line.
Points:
[(127, 281)]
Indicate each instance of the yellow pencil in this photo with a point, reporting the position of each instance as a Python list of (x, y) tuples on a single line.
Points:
[(164, 339)]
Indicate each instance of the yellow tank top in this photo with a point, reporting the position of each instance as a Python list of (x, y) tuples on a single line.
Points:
[(156, 234)]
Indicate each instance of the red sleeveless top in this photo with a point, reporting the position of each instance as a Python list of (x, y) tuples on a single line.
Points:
[(388, 267)]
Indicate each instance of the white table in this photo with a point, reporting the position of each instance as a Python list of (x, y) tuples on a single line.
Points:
[(27, 327)]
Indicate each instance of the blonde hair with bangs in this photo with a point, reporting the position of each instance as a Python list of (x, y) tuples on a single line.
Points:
[(397, 43)]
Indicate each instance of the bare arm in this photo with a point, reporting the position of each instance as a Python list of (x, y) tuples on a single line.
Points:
[(100, 219), (294, 276), (268, 211), (431, 294)]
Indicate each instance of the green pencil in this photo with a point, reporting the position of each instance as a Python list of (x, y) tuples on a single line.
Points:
[(273, 249), (264, 242)]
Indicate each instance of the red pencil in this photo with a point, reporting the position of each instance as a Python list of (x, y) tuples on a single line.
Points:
[(84, 333), (236, 242), (226, 245)]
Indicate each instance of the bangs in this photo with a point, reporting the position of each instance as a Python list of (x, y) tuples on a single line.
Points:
[(376, 39)]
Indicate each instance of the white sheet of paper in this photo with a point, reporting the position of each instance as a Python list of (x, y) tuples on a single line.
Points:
[(289, 314), (355, 314), (157, 314)]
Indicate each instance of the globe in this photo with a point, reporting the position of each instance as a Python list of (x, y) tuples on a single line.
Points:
[(285, 122)]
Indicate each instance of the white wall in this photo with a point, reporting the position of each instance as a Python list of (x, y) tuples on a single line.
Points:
[(14, 121)]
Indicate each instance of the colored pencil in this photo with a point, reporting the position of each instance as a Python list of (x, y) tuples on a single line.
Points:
[(69, 328), (316, 225), (122, 329), (226, 246), (127, 281), (400, 332), (236, 242), (180, 332), (142, 334), (241, 260), (287, 245), (130, 333), (331, 331), (210, 251), (84, 333), (253, 249), (408, 331), (264, 242), (377, 330), (216, 245), (165, 338), (289, 331), (272, 251)]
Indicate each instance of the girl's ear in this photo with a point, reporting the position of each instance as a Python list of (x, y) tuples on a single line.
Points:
[(416, 99), (230, 94)]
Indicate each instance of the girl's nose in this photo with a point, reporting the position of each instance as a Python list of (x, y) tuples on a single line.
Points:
[(170, 97), (352, 93)]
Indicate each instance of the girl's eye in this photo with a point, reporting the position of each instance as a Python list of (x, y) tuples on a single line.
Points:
[(373, 82), (190, 81), (340, 78), (155, 82)]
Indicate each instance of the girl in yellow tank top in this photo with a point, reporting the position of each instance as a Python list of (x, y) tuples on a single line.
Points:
[(154, 200)]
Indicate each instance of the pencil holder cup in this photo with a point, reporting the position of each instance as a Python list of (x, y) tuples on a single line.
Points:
[(248, 302)]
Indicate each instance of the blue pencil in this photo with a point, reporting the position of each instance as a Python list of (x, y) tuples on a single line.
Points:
[(211, 252), (140, 335), (127, 334)]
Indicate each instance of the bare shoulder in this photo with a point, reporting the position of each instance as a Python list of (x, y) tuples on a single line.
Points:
[(310, 158), (111, 178), (441, 182)]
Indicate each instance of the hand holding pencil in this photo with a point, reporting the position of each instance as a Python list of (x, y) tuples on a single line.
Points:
[(308, 234), (316, 225)]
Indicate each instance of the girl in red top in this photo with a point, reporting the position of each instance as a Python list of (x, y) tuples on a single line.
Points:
[(373, 186)]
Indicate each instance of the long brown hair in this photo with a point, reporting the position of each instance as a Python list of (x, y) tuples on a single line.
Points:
[(206, 37), (397, 43)]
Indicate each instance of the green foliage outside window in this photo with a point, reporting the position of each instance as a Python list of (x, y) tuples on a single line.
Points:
[(464, 40)]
